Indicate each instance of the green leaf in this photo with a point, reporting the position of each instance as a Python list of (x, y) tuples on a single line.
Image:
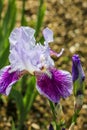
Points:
[(4, 57), (8, 18), (40, 16), (53, 110), (23, 18), (7, 24), (18, 98), (1, 7), (13, 125), (30, 93)]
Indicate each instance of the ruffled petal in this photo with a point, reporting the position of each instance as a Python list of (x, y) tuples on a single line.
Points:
[(21, 60), (7, 80), (58, 85), (31, 60), (23, 34), (22, 47), (48, 35)]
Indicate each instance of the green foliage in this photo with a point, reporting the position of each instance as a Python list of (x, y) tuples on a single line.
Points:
[(30, 93), (23, 20), (79, 86), (40, 16), (3, 57), (18, 98), (6, 25), (13, 125)]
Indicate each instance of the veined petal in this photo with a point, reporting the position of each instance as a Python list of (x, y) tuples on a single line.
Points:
[(23, 34), (20, 60), (21, 49), (31, 60), (59, 85), (48, 35), (7, 79)]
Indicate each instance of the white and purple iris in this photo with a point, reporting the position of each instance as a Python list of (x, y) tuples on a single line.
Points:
[(27, 56)]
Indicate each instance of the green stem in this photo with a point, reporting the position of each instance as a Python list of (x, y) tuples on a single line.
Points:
[(53, 110), (75, 116), (54, 115), (21, 121), (57, 127)]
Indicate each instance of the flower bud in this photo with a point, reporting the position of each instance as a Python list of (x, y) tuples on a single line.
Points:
[(51, 127), (78, 75)]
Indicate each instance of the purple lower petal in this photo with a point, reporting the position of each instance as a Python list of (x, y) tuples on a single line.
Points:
[(58, 85), (7, 79)]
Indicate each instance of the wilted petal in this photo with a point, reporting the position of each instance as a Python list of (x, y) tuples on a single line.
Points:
[(7, 80), (58, 85), (48, 35)]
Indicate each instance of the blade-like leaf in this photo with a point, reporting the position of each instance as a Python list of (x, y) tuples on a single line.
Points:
[(18, 98), (4, 57), (30, 93), (40, 16)]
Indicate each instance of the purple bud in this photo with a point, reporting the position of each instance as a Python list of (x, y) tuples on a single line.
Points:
[(77, 71), (78, 75), (51, 127), (63, 128)]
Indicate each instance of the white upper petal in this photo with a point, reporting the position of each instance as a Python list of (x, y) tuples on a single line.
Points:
[(24, 34), (48, 35), (24, 54)]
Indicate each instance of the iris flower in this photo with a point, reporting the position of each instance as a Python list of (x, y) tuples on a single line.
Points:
[(78, 75), (27, 56)]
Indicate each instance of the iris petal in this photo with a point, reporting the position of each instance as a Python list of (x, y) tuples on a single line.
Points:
[(24, 54), (7, 80), (59, 85), (25, 35), (53, 53), (48, 35)]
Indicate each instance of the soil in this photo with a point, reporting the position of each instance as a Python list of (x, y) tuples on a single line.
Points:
[(68, 20)]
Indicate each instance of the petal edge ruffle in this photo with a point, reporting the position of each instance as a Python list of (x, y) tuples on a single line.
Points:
[(59, 85)]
